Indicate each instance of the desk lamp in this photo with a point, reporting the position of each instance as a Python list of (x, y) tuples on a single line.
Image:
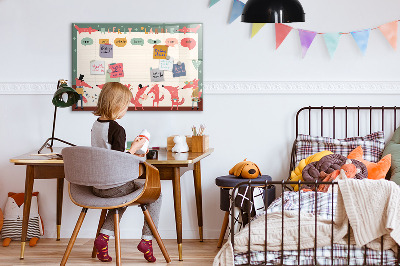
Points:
[(273, 11), (63, 97)]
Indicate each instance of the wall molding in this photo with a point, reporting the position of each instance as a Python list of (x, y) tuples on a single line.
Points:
[(243, 87)]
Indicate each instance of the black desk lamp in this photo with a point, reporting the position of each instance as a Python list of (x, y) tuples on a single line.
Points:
[(273, 11), (63, 97)]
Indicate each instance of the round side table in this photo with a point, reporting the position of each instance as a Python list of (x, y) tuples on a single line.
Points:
[(226, 183)]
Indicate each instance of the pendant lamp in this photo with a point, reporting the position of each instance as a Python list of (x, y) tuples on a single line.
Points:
[(63, 97), (273, 11)]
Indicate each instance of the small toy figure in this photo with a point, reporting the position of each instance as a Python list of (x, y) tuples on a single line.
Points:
[(180, 144)]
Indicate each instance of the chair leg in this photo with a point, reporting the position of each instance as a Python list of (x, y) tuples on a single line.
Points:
[(223, 229), (154, 230), (73, 237), (101, 222), (117, 239)]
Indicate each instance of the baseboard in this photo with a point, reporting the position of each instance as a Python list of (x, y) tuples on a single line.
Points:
[(243, 87)]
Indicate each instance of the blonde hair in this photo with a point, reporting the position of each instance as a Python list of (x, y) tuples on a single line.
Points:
[(112, 99)]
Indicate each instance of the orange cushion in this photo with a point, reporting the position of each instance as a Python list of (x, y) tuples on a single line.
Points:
[(375, 170)]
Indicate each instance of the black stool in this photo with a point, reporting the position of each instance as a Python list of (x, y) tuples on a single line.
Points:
[(227, 183)]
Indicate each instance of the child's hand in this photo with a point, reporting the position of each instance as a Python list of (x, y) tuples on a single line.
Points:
[(143, 155), (137, 144)]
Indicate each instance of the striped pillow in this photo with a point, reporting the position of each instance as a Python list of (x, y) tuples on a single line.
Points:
[(372, 145)]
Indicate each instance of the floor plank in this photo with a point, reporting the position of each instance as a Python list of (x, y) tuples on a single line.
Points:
[(50, 252)]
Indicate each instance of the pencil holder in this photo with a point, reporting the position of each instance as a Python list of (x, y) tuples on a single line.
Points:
[(200, 143)]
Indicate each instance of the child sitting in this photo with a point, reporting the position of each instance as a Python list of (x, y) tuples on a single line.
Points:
[(107, 133)]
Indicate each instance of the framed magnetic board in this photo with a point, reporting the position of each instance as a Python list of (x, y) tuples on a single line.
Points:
[(162, 64)]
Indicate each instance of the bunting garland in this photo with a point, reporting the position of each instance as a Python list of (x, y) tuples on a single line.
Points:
[(306, 39), (256, 27), (389, 30), (281, 31), (237, 9), (213, 2), (332, 42), (361, 37)]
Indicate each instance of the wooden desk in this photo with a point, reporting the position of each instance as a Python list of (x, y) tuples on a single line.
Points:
[(171, 167)]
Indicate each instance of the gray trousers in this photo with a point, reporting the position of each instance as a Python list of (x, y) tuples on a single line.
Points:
[(153, 208)]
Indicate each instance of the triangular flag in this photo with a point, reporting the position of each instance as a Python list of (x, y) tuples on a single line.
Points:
[(390, 32), (361, 37), (256, 28), (332, 41), (281, 31), (306, 39), (213, 2), (237, 9)]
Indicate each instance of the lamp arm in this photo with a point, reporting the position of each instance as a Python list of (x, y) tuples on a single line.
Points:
[(54, 126)]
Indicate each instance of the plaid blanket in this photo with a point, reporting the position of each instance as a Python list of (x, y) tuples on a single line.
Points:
[(323, 205)]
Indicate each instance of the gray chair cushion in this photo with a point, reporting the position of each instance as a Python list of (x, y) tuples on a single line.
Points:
[(83, 195)]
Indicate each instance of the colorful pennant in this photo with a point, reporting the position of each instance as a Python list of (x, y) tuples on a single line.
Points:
[(389, 30), (256, 28), (306, 39), (237, 9), (281, 31), (332, 41), (213, 2), (361, 37)]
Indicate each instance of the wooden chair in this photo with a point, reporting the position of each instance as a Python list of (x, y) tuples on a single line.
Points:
[(85, 167)]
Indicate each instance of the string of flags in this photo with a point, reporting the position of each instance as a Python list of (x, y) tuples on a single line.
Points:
[(361, 37)]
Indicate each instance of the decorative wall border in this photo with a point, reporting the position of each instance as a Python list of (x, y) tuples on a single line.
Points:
[(243, 87)]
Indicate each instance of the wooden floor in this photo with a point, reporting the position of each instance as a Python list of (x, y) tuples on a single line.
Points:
[(50, 252)]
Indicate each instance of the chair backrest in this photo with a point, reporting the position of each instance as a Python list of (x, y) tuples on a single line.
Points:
[(91, 166)]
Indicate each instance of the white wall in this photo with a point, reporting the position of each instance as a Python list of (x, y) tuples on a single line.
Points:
[(35, 47)]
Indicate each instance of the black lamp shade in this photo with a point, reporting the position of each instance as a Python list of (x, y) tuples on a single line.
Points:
[(273, 11), (58, 100)]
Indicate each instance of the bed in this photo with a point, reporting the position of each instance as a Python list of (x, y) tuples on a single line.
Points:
[(298, 227)]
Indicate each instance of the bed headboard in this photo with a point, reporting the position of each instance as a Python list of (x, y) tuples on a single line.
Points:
[(344, 121)]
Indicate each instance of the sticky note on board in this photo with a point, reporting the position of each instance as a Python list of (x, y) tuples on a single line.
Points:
[(179, 70), (120, 42), (166, 64), (117, 70), (109, 79), (151, 41), (171, 42), (106, 50), (87, 41), (97, 67), (104, 41), (137, 41), (160, 51), (156, 75), (189, 43)]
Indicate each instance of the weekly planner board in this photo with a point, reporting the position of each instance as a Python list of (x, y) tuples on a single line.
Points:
[(161, 64)]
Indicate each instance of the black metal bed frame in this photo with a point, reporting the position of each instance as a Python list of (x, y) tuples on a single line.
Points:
[(284, 184)]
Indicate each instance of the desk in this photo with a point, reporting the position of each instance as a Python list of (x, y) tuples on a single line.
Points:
[(171, 167)]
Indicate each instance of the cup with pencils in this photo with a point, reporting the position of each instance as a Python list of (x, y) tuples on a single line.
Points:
[(199, 140)]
